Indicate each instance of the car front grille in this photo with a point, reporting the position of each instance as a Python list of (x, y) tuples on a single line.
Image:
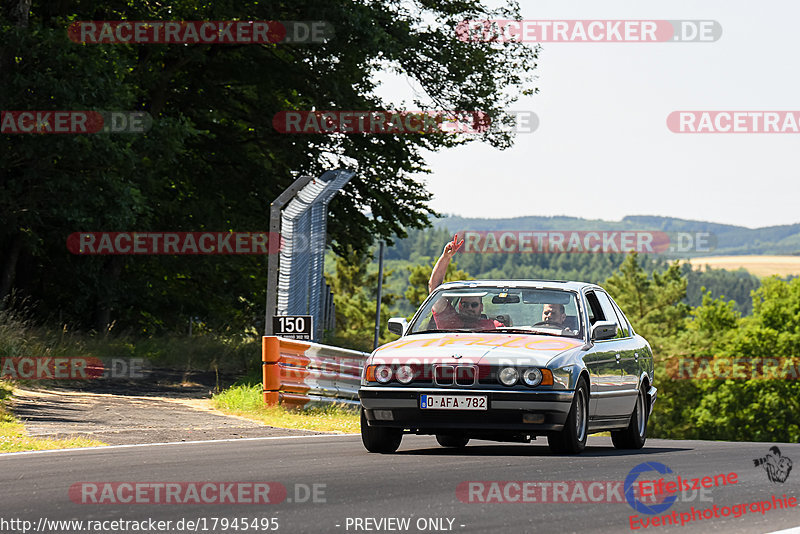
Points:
[(460, 375)]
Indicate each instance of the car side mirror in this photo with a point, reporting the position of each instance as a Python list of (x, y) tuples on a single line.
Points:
[(398, 325), (604, 330)]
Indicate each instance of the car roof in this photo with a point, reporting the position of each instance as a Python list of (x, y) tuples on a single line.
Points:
[(538, 284)]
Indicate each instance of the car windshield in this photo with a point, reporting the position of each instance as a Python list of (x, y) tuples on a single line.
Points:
[(501, 309)]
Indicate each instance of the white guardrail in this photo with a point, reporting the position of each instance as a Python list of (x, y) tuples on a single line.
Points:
[(300, 374)]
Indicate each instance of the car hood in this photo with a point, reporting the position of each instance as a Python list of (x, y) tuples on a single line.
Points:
[(486, 348)]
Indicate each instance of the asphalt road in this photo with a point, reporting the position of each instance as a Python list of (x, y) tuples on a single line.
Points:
[(354, 491)]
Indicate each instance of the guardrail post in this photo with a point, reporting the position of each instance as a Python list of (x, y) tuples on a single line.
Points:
[(270, 354)]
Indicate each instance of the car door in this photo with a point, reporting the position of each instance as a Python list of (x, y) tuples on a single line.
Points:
[(627, 355), (633, 360), (604, 371)]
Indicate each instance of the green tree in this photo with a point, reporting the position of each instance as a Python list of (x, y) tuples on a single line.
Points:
[(735, 285), (759, 409), (354, 295), (652, 304), (754, 409), (213, 160), (706, 329)]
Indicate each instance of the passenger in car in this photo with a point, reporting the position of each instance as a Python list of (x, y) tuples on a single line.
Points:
[(554, 314), (470, 309)]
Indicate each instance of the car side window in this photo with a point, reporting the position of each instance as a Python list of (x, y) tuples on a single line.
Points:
[(595, 311), (623, 321), (611, 315)]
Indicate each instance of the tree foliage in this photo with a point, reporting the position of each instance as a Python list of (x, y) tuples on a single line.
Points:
[(355, 295), (652, 304), (212, 160), (759, 407)]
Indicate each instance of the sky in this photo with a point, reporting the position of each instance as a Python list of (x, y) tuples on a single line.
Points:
[(603, 150)]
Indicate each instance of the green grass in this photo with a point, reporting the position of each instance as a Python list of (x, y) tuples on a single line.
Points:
[(246, 400), (201, 353), (13, 437), (235, 355)]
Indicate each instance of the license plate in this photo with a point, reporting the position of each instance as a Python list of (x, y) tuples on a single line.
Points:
[(453, 402)]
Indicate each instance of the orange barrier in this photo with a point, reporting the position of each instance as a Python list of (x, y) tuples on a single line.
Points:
[(300, 374)]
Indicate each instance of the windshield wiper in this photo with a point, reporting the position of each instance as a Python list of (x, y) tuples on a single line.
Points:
[(520, 329), (508, 329), (531, 330), (559, 333), (444, 330)]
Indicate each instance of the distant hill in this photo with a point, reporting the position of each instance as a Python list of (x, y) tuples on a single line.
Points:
[(730, 239)]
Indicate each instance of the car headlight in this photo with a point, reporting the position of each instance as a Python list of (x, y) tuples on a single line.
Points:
[(383, 374), (532, 377), (509, 376), (404, 374)]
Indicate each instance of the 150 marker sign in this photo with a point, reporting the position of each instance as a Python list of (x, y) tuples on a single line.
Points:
[(293, 326)]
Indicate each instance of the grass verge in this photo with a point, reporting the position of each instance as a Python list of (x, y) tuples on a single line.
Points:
[(13, 437), (246, 400), (233, 355)]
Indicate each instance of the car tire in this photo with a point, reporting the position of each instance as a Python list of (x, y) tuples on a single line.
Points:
[(572, 439), (635, 435), (379, 439), (455, 441)]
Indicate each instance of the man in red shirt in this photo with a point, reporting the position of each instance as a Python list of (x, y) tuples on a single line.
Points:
[(470, 307)]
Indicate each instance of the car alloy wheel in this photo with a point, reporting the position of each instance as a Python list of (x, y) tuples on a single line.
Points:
[(572, 439), (635, 435)]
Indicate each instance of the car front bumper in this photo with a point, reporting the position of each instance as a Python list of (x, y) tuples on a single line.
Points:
[(398, 407), (652, 394)]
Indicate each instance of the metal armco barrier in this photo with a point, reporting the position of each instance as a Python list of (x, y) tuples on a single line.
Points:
[(299, 374)]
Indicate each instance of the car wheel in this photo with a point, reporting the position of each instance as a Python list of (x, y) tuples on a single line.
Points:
[(378, 439), (456, 441), (572, 439), (635, 435)]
